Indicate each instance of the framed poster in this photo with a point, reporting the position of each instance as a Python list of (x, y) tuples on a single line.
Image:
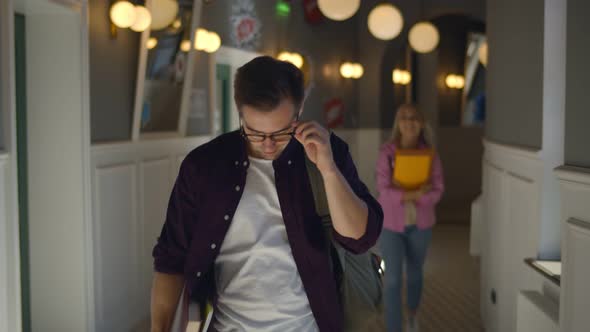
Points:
[(164, 77)]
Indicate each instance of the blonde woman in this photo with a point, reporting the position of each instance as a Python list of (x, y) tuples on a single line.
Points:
[(408, 217)]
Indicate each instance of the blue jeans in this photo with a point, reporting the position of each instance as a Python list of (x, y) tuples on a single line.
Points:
[(410, 247)]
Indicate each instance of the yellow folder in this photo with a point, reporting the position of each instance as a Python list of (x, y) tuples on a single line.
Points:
[(412, 168)]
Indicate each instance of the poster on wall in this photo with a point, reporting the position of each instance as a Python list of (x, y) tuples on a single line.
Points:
[(334, 113), (245, 26)]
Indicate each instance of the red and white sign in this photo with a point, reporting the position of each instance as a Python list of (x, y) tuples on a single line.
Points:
[(245, 25), (334, 113), (313, 15), (245, 29)]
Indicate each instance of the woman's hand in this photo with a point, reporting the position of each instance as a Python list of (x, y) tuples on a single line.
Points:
[(425, 188), (414, 195)]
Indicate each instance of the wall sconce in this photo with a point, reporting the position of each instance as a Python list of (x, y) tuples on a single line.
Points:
[(455, 81), (185, 46), (177, 23), (385, 21), (351, 70), (124, 14), (423, 37), (164, 13), (339, 10), (151, 43), (207, 41), (143, 19), (294, 58), (400, 76)]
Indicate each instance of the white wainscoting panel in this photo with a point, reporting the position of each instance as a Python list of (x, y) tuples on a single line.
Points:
[(491, 260), (536, 313), (576, 276), (3, 248), (9, 249), (155, 186), (523, 231), (131, 185), (116, 237), (575, 249), (369, 145), (511, 214), (10, 285), (476, 233)]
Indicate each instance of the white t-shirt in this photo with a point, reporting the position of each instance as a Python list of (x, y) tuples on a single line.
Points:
[(410, 208), (258, 284)]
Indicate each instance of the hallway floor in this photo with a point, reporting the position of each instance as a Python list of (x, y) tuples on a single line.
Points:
[(450, 300)]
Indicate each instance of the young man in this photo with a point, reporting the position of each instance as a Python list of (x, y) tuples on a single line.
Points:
[(241, 226)]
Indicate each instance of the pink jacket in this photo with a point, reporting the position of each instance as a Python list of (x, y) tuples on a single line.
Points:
[(390, 197)]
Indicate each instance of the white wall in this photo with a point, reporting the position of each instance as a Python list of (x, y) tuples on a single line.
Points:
[(10, 302), (364, 147), (553, 136), (6, 74), (58, 136), (575, 249), (521, 195), (131, 186), (511, 208), (4, 269)]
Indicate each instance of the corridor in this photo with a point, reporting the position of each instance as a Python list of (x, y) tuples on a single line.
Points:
[(451, 283), (101, 102)]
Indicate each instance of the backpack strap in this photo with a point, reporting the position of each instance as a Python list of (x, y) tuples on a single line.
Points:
[(319, 191), (323, 211)]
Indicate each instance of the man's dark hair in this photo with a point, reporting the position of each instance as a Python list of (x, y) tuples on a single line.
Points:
[(264, 82)]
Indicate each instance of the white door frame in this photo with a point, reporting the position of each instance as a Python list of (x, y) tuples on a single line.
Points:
[(46, 11), (10, 299), (235, 58)]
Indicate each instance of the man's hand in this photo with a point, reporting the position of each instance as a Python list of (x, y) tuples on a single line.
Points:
[(316, 141), (349, 213)]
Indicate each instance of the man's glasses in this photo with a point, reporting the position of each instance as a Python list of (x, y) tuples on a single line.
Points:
[(278, 136)]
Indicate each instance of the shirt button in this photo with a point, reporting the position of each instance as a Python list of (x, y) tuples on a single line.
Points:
[(289, 162), (198, 274), (245, 163), (237, 163), (226, 217), (213, 246), (237, 188)]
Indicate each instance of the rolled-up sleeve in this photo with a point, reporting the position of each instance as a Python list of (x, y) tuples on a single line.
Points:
[(173, 243), (375, 213)]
